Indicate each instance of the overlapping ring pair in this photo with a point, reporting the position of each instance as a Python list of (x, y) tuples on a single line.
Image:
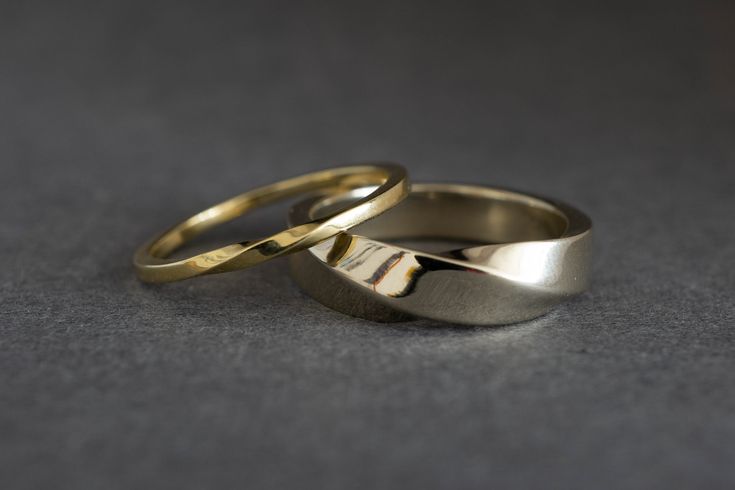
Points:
[(527, 253)]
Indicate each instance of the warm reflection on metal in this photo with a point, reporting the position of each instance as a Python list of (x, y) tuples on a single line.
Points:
[(534, 253), (392, 186)]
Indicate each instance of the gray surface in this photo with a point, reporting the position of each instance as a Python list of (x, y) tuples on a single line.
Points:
[(116, 120)]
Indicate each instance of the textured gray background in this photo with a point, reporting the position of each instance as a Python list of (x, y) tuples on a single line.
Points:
[(118, 119)]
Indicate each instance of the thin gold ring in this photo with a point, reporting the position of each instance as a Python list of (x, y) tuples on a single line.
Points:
[(150, 260), (520, 256)]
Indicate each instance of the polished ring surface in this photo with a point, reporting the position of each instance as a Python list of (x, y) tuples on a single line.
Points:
[(392, 186), (534, 253)]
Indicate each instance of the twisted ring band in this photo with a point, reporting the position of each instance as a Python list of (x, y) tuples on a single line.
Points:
[(392, 186), (528, 254)]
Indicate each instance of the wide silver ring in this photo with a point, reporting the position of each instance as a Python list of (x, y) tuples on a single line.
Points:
[(527, 254)]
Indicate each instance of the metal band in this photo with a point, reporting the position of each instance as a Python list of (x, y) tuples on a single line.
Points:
[(151, 263), (535, 253)]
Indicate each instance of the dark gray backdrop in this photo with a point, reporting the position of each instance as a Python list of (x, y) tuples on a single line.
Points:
[(117, 119)]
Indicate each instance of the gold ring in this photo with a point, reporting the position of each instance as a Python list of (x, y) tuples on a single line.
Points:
[(528, 254), (392, 186)]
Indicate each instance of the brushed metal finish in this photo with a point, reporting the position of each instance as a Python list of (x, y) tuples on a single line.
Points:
[(534, 253), (389, 186)]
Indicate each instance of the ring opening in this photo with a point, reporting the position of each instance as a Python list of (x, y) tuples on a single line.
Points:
[(458, 212)]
